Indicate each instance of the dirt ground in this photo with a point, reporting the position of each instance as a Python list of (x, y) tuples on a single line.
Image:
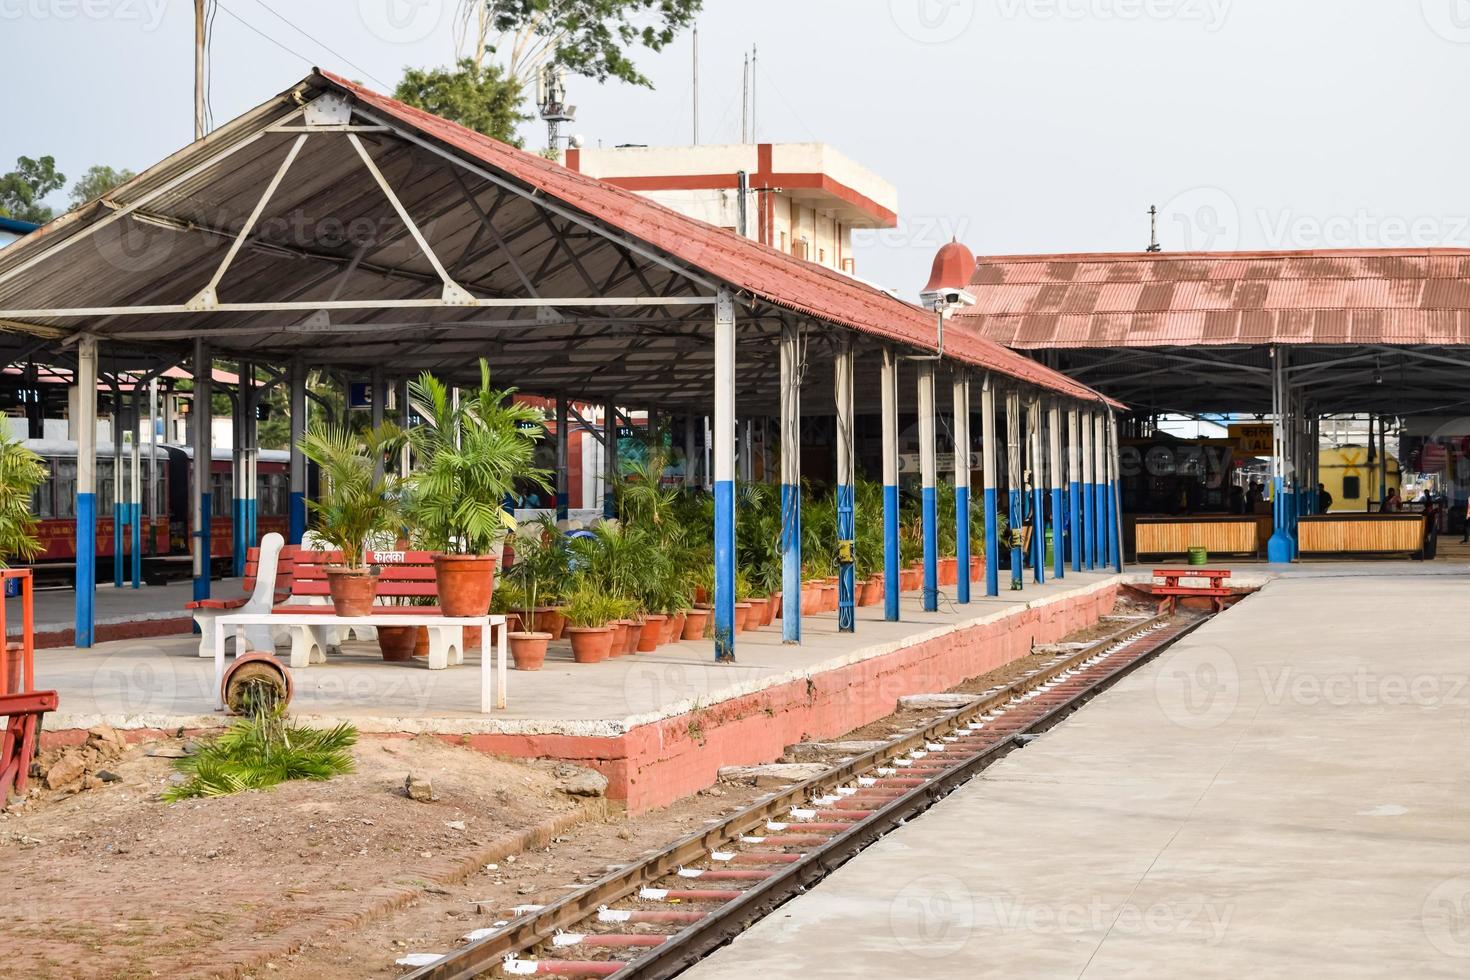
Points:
[(320, 881)]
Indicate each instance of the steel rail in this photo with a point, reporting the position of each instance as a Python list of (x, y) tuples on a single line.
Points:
[(721, 924)]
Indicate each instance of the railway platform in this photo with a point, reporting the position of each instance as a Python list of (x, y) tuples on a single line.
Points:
[(1279, 794), (658, 725), (121, 614)]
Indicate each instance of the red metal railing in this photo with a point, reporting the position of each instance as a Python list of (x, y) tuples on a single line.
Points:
[(20, 703)]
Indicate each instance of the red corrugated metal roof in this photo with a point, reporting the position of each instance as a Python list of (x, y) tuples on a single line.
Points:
[(765, 272), (1389, 296)]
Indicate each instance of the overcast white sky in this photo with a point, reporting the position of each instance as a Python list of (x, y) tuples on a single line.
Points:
[(1017, 125)]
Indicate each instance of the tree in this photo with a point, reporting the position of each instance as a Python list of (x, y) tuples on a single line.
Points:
[(478, 96), (22, 190), (98, 180), (586, 37)]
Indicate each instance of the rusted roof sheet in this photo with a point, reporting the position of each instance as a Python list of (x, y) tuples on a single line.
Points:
[(774, 276), (1363, 296)]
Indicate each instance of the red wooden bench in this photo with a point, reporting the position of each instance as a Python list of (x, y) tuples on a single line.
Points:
[(1217, 591)]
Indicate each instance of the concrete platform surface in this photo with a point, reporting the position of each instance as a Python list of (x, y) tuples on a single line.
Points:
[(1283, 794), (161, 683)]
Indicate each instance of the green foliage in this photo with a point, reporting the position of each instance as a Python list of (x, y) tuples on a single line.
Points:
[(589, 607), (589, 37), (98, 180), (21, 472), (508, 596), (481, 97), (868, 528), (259, 752), (22, 189), (542, 564), (470, 458), (356, 502)]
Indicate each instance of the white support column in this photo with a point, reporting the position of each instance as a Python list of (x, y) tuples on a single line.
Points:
[(928, 474), (988, 459), (86, 509), (1088, 528), (1115, 503), (1038, 491), (846, 491), (1054, 485), (790, 422), (1074, 488), (202, 414), (960, 390), (1100, 508), (724, 477), (691, 463), (296, 523), (1015, 489), (890, 485)]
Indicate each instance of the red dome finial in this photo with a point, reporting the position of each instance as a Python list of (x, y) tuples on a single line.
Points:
[(954, 264)]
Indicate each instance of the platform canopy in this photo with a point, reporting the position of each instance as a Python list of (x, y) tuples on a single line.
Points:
[(1384, 331), (334, 225)]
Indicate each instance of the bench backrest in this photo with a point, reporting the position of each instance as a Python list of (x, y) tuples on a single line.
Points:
[(402, 575), (1191, 573)]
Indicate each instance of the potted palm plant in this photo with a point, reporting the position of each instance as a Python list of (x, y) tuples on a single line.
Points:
[(21, 472), (540, 561), (471, 457), (588, 612), (358, 502)]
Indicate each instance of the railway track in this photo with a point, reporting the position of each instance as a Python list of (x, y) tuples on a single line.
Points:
[(657, 916)]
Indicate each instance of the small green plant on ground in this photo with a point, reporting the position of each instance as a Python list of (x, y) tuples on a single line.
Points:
[(260, 751)]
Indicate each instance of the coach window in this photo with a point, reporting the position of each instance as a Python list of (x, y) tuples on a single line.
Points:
[(41, 496), (105, 495), (66, 488), (222, 487), (1351, 488)]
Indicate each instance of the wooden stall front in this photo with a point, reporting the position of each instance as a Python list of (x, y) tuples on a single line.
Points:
[(1220, 534), (1361, 534)]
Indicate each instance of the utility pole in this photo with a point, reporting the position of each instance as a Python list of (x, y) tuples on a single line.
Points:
[(745, 103), (198, 69)]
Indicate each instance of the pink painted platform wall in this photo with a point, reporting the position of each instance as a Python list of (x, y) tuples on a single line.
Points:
[(656, 764)]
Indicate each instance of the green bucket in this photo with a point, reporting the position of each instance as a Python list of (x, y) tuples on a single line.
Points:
[(1198, 556)]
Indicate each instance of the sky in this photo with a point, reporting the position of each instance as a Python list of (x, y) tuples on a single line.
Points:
[(1016, 126)]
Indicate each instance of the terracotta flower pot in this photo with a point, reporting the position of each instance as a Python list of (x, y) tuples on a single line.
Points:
[(977, 568), (472, 637), (465, 583), (674, 627), (701, 594), (397, 642), (353, 589), (742, 613), (648, 634), (870, 592), (756, 618), (694, 623), (529, 649), (630, 638), (619, 629), (421, 641), (590, 644), (550, 619), (775, 606), (829, 597)]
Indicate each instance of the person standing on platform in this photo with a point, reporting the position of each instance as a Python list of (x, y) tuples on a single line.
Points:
[(1391, 503), (1324, 499)]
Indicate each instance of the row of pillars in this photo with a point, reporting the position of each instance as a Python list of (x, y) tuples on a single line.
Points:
[(1074, 469)]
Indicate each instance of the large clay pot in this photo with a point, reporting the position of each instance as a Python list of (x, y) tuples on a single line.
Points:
[(619, 628), (472, 637), (590, 644), (829, 597), (420, 641), (630, 638), (549, 619), (465, 583), (870, 592), (742, 612), (397, 642), (977, 568), (695, 621), (757, 614), (775, 607), (648, 635), (528, 650), (673, 628), (353, 589)]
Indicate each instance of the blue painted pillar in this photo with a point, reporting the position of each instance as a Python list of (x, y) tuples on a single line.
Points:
[(610, 464), (890, 485), (85, 431), (1103, 548), (563, 439), (1074, 490), (1054, 483), (1038, 493), (1088, 528), (203, 419), (988, 457), (928, 471), (135, 492), (961, 396), (120, 510), (790, 449), (1013, 481), (296, 509), (846, 475), (1280, 548), (1115, 488), (724, 474)]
